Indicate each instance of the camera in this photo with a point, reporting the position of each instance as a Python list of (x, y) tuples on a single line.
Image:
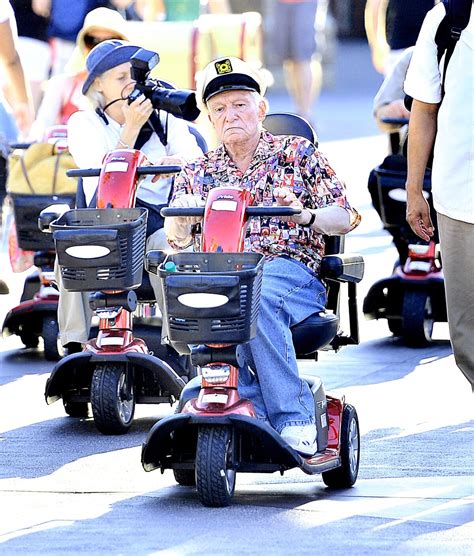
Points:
[(179, 102)]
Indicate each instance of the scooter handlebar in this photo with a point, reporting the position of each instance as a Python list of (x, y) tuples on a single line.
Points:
[(394, 121), (167, 212), (23, 146), (141, 171), (50, 214), (271, 212)]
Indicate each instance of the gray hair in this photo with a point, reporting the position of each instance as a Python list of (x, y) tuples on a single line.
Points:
[(95, 98)]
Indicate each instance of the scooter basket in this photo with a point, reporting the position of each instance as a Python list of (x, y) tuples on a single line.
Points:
[(212, 297), (26, 210), (101, 249)]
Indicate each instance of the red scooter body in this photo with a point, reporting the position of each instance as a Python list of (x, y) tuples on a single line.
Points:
[(214, 432), (36, 317), (116, 369)]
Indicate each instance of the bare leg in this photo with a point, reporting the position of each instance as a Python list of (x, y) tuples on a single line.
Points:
[(303, 81)]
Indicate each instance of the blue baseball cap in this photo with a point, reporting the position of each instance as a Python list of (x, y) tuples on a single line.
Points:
[(107, 55)]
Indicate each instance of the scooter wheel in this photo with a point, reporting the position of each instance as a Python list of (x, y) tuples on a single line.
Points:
[(51, 344), (346, 475), (185, 477), (112, 398), (76, 409), (215, 477), (29, 339), (395, 326), (417, 318)]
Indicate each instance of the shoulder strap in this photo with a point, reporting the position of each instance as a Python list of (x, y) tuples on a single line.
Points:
[(458, 13), (152, 125)]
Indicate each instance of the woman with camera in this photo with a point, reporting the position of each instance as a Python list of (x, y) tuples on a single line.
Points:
[(115, 122)]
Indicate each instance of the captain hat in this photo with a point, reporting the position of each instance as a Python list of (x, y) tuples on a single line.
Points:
[(228, 74)]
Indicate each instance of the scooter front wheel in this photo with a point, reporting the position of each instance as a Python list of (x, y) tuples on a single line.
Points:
[(215, 476), (417, 318), (112, 398), (346, 475)]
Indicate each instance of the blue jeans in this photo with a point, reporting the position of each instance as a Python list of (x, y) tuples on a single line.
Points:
[(270, 379)]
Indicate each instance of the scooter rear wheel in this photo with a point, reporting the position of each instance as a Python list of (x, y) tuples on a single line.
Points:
[(76, 409), (215, 478), (112, 398), (185, 477), (346, 475), (29, 339), (417, 318)]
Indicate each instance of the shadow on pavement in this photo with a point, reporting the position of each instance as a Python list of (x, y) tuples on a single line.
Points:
[(173, 521), (70, 439)]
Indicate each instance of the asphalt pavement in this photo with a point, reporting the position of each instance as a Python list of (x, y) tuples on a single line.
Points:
[(66, 489)]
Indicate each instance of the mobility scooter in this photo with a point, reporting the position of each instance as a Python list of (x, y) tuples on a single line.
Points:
[(39, 181), (102, 251), (412, 299), (211, 303)]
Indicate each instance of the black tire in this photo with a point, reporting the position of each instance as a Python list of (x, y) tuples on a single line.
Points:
[(29, 339), (346, 475), (76, 409), (215, 479), (417, 318), (112, 398), (51, 344), (185, 477), (395, 326)]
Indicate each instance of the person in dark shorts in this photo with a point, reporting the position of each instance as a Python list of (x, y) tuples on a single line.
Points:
[(294, 43)]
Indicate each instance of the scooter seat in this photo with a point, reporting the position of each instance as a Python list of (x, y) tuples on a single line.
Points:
[(314, 333)]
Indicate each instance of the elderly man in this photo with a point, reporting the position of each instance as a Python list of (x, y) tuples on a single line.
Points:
[(289, 171)]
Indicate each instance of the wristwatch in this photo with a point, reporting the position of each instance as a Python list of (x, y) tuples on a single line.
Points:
[(311, 220)]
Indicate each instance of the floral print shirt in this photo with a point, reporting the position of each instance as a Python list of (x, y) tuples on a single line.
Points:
[(278, 161)]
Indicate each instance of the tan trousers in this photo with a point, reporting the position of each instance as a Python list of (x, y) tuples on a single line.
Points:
[(74, 313), (457, 249)]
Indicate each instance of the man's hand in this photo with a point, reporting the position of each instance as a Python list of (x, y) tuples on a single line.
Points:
[(285, 197), (418, 216), (167, 161), (188, 200), (395, 109), (179, 229)]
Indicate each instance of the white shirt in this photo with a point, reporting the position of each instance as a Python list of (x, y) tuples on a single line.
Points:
[(90, 139), (6, 13), (452, 174)]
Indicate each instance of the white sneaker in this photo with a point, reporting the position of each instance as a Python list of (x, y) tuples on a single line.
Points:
[(301, 438)]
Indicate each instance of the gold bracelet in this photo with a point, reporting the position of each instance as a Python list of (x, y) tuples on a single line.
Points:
[(124, 144)]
